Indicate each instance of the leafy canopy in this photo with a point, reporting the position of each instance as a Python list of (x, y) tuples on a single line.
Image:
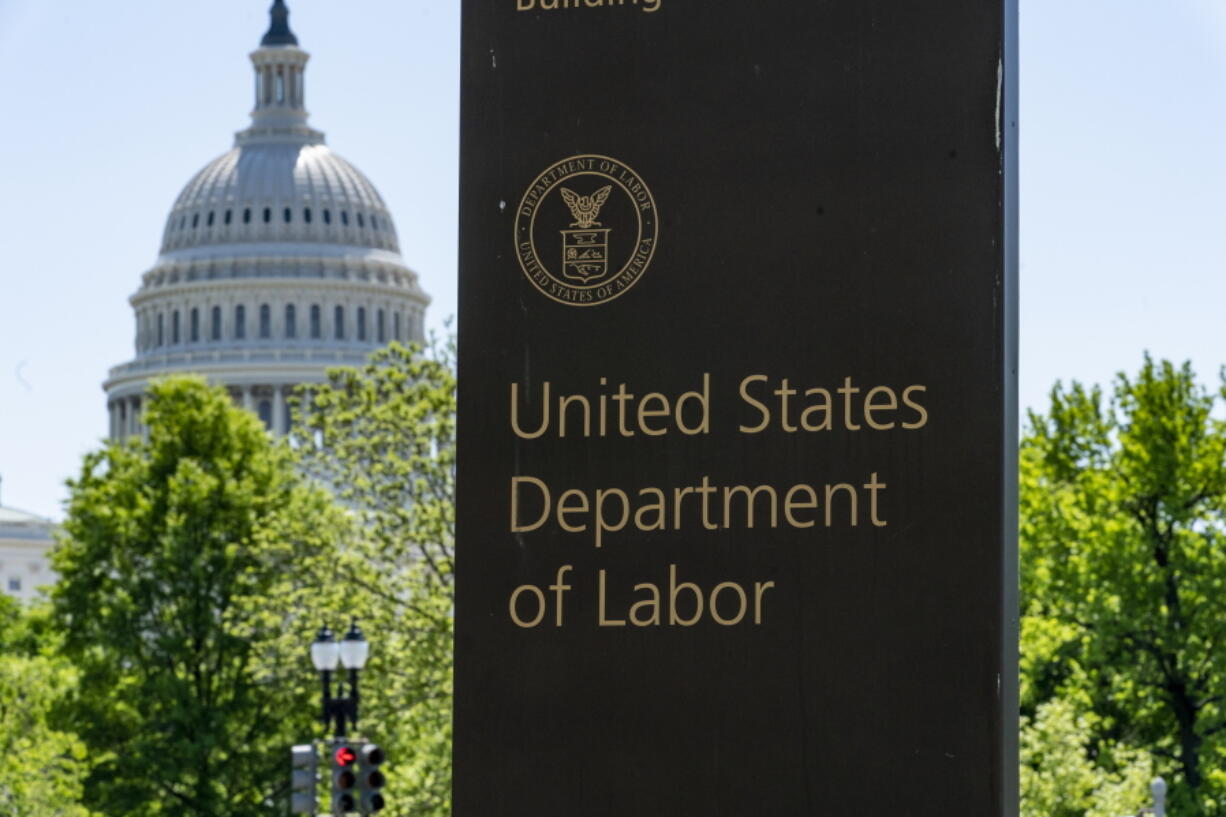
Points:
[(42, 768), (383, 438), (185, 557), (1124, 572), (1060, 779)]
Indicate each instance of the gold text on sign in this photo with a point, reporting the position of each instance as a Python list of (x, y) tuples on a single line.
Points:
[(555, 5)]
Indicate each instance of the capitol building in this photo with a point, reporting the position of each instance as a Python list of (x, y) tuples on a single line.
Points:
[(279, 260)]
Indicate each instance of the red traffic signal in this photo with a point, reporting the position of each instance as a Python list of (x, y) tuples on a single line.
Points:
[(344, 779)]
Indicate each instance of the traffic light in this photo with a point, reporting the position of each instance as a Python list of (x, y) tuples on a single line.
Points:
[(303, 779), (370, 778), (344, 778)]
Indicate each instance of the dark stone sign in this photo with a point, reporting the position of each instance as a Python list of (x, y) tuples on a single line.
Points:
[(737, 425)]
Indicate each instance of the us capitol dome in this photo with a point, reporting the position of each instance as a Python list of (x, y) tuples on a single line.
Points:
[(279, 260)]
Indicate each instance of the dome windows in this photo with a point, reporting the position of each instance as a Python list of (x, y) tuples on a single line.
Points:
[(267, 214), (289, 215), (188, 329), (274, 320), (318, 187)]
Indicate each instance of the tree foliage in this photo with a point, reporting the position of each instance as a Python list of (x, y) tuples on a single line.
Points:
[(383, 438), (1059, 778), (1124, 573), (42, 768), (185, 557)]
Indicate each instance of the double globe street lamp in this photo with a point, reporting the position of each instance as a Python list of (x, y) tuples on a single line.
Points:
[(357, 780), (350, 653)]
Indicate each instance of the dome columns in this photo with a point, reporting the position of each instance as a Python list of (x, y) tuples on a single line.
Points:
[(280, 423), (268, 402), (288, 317), (125, 417), (280, 94)]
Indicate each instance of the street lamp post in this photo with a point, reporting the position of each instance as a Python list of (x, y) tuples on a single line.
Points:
[(357, 780), (351, 653)]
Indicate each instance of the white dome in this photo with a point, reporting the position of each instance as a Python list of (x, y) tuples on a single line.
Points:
[(279, 191), (278, 261)]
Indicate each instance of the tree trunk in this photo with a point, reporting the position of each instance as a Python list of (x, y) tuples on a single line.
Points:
[(1189, 740)]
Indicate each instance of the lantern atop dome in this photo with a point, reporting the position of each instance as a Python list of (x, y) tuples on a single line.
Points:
[(278, 32), (280, 86)]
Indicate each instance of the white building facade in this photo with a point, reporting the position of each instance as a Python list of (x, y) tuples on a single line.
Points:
[(25, 545), (279, 260)]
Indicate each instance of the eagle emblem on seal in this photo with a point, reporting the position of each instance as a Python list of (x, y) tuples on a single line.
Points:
[(586, 209)]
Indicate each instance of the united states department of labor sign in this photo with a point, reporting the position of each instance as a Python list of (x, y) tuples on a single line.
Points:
[(586, 230), (736, 453)]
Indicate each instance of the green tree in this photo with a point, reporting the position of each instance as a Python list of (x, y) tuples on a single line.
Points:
[(184, 557), (383, 437), (1061, 778), (1124, 571), (42, 768)]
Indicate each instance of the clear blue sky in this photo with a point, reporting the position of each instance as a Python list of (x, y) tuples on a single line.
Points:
[(106, 110)]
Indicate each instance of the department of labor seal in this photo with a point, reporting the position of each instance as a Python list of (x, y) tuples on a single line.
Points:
[(585, 230)]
